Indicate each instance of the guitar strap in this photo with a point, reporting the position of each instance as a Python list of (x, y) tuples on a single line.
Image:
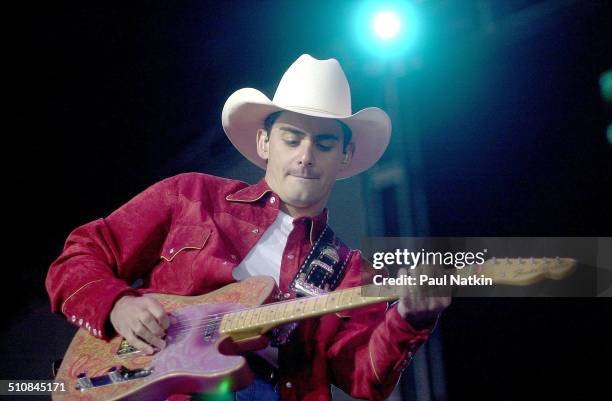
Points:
[(324, 266), (320, 273)]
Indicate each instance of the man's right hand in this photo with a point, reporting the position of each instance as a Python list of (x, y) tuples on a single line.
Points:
[(142, 321)]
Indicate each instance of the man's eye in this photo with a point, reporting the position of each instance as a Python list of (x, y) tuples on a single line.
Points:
[(324, 148), (291, 143)]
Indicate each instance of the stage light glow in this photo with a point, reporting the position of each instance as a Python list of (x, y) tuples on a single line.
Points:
[(224, 386), (386, 24), (387, 29)]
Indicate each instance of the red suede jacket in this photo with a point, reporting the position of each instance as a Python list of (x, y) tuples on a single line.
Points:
[(184, 235)]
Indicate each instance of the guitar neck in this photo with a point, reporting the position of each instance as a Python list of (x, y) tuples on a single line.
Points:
[(257, 321)]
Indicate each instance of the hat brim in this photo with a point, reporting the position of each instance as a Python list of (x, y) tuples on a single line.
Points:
[(245, 111)]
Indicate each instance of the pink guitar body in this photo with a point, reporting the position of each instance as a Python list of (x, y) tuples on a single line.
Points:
[(196, 359)]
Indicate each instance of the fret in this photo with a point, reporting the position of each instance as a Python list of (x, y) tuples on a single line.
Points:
[(261, 314), (224, 321), (288, 311), (272, 314), (356, 295), (256, 316), (299, 308), (246, 317), (235, 322), (309, 305), (332, 302), (346, 298), (370, 291), (280, 311), (239, 320), (320, 303)]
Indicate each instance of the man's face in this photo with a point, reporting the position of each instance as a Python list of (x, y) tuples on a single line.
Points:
[(304, 157)]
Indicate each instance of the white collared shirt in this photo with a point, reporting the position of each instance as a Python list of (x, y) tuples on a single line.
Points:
[(264, 259)]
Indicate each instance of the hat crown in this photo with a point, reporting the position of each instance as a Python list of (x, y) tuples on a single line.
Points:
[(315, 85)]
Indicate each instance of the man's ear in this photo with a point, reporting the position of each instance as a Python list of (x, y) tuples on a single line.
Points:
[(262, 144), (347, 157)]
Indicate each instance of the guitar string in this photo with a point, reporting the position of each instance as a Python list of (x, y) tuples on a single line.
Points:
[(216, 315), (204, 321), (214, 321), (213, 317), (272, 305)]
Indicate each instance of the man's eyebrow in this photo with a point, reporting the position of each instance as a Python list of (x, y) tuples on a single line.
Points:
[(318, 137), (327, 137), (292, 130)]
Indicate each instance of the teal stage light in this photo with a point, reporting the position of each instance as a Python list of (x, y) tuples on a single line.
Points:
[(387, 29), (386, 25)]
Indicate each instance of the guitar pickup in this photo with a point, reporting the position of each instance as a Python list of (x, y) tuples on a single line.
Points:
[(114, 375)]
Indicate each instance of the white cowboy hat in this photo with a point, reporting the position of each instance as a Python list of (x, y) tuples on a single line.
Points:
[(315, 88)]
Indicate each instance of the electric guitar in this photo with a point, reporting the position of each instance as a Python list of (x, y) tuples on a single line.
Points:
[(208, 333)]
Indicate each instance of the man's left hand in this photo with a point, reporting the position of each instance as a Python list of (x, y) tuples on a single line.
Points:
[(421, 306)]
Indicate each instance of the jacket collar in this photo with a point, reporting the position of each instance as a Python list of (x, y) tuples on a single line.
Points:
[(251, 193), (256, 192)]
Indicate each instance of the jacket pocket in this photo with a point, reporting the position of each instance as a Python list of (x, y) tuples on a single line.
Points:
[(184, 238)]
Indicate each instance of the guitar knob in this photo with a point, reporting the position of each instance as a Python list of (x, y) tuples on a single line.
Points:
[(83, 382)]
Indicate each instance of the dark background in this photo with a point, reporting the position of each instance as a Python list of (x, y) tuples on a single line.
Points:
[(107, 99)]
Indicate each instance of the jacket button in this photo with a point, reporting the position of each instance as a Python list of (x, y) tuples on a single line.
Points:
[(255, 231), (73, 318), (286, 295), (80, 322), (95, 332), (272, 199), (290, 256), (288, 385), (172, 250), (233, 257)]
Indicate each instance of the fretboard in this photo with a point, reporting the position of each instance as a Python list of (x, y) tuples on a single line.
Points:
[(258, 320)]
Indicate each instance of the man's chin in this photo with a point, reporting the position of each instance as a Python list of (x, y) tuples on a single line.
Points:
[(301, 200)]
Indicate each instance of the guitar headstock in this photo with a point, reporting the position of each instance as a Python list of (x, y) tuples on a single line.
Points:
[(524, 271)]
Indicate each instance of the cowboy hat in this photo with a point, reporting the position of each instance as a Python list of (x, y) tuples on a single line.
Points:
[(315, 88)]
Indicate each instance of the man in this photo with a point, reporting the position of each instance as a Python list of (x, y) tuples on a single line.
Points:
[(193, 233)]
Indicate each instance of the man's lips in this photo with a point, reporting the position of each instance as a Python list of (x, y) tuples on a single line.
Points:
[(305, 177)]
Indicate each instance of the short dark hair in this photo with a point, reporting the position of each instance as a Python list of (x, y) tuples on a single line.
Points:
[(346, 130)]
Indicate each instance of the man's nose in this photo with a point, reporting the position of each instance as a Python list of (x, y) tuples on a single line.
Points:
[(306, 157)]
